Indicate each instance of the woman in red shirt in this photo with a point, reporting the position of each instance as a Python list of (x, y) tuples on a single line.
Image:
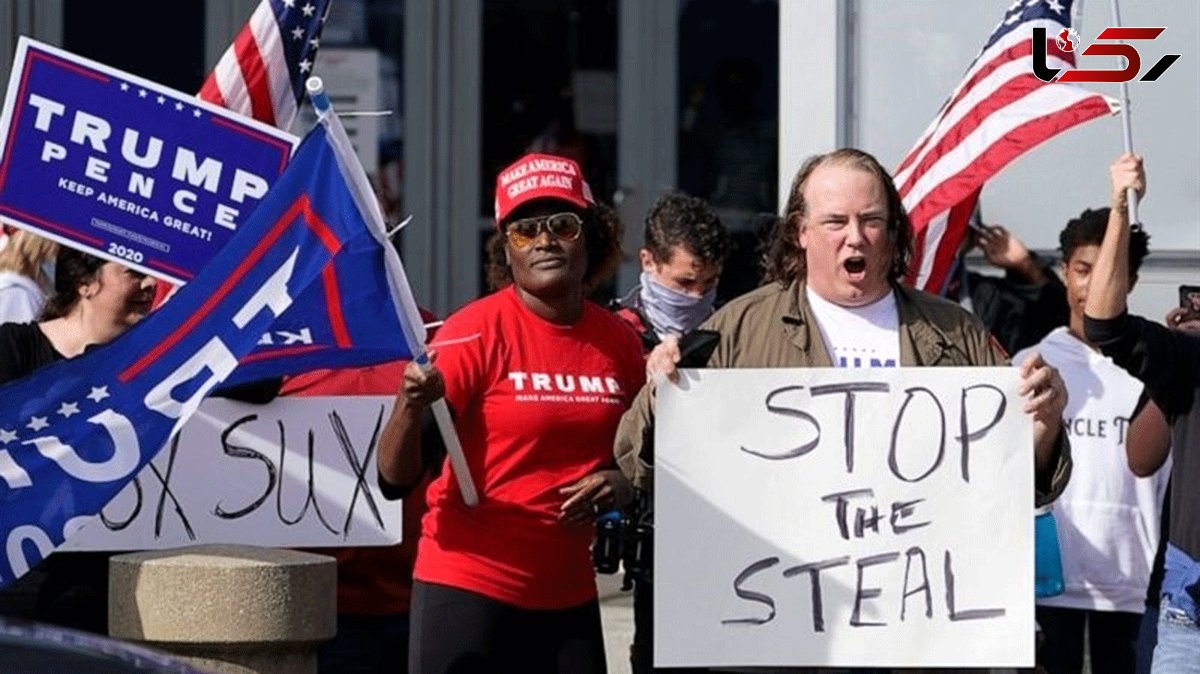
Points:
[(537, 378)]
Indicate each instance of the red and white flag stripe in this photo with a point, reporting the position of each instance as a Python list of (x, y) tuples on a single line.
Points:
[(243, 81), (998, 111), (261, 74)]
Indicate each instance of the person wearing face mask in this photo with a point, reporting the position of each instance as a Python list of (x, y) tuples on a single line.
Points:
[(26, 275), (685, 249)]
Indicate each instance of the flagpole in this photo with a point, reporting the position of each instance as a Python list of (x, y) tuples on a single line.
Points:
[(1126, 122), (410, 319)]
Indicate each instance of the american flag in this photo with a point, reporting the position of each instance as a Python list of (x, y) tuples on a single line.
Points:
[(262, 73), (998, 111)]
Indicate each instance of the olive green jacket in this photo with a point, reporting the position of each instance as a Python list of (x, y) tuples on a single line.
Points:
[(774, 327)]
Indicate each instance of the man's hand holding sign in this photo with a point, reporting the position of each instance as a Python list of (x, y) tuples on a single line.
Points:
[(873, 515)]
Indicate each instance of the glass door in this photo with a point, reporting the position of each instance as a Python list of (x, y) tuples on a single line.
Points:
[(549, 76), (648, 96)]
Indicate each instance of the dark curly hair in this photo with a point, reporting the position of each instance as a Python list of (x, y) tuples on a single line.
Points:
[(784, 261), (1088, 230), (679, 219), (602, 234), (72, 268)]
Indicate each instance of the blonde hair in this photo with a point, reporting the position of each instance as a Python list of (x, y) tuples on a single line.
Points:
[(25, 254)]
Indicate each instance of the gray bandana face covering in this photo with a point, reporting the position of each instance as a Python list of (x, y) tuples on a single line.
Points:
[(673, 312)]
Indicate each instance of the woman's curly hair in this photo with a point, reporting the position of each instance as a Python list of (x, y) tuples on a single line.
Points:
[(783, 260), (602, 234)]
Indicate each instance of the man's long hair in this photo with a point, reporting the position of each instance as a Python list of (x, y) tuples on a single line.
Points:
[(784, 258)]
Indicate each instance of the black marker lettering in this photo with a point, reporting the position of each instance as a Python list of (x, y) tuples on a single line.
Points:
[(860, 593), (814, 576), (113, 525), (842, 498), (309, 499), (923, 587), (863, 521), (789, 412), (848, 414), (749, 595), (166, 492), (892, 462), (903, 510), (966, 436), (247, 453), (974, 614), (358, 470)]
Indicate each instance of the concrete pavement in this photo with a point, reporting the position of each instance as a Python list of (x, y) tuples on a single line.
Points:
[(616, 614)]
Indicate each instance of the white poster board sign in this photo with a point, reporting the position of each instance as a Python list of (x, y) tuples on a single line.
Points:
[(299, 472), (850, 518)]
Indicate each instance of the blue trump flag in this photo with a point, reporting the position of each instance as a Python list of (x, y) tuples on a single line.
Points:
[(74, 433), (345, 318)]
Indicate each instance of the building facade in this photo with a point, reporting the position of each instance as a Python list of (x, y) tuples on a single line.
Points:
[(719, 98)]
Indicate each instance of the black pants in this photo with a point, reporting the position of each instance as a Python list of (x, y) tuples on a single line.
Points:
[(641, 651), (68, 589), (1112, 636), (454, 631)]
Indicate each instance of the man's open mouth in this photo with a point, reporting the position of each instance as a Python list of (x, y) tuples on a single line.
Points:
[(855, 265)]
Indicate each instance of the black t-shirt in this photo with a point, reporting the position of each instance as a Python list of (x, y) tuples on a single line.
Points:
[(1168, 363), (23, 349), (71, 588)]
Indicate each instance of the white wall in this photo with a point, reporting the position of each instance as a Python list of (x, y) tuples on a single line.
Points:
[(909, 55), (812, 76)]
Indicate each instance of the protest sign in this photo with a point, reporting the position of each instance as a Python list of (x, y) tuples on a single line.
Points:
[(300, 472), (850, 518), (129, 170)]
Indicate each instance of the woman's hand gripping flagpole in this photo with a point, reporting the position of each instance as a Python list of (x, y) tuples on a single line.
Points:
[(406, 306)]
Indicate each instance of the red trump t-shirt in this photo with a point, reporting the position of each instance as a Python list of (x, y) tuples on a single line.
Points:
[(536, 407)]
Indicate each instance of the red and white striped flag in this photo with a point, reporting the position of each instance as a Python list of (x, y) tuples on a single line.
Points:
[(262, 73), (998, 111)]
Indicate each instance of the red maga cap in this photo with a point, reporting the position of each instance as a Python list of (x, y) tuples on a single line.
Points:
[(540, 176)]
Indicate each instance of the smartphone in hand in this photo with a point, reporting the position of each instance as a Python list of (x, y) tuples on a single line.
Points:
[(1189, 300)]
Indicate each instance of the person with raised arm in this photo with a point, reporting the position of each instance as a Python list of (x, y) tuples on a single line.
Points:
[(1168, 363), (1109, 516)]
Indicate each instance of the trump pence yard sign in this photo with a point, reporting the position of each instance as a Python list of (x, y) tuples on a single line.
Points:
[(129, 170)]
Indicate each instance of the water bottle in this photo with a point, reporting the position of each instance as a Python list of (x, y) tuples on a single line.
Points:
[(1047, 560)]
